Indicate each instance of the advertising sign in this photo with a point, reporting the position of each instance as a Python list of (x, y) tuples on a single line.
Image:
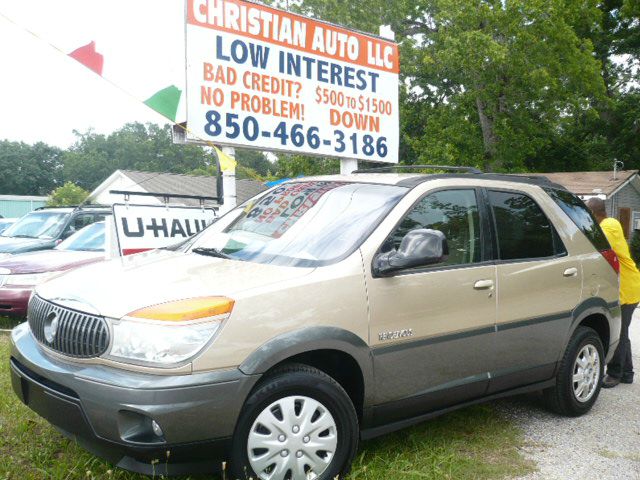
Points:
[(265, 78), (145, 227)]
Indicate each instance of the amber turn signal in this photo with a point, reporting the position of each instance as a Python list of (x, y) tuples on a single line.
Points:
[(185, 310)]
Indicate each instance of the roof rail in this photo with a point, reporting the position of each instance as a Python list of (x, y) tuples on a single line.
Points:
[(75, 207), (450, 168)]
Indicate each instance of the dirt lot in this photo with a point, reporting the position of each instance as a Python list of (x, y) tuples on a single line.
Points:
[(605, 444)]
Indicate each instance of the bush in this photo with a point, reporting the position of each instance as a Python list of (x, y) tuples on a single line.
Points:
[(67, 194), (634, 247)]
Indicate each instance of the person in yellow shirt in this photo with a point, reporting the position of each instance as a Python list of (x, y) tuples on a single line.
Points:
[(620, 368)]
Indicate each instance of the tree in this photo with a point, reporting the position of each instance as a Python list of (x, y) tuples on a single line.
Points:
[(135, 147), (29, 169), (487, 82), (634, 247), (289, 166), (255, 161), (252, 164), (596, 138), (67, 194)]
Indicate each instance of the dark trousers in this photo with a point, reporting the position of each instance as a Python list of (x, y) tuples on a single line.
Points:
[(621, 365)]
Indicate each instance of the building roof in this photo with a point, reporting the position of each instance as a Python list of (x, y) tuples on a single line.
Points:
[(190, 185), (27, 198), (591, 183)]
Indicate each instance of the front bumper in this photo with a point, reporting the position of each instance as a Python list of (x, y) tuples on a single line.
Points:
[(108, 411), (14, 301)]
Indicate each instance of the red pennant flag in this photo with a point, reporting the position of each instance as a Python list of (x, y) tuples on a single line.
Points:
[(88, 56)]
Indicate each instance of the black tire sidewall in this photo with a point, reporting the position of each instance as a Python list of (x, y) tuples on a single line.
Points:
[(323, 390)]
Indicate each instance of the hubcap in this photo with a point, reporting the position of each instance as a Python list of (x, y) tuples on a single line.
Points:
[(586, 373), (294, 438)]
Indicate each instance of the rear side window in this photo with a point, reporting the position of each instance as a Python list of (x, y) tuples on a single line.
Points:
[(581, 216), (524, 231)]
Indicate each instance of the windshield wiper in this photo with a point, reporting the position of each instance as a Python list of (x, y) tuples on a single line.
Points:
[(23, 236), (210, 252)]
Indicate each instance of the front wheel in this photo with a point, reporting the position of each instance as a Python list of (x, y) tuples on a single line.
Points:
[(579, 376), (298, 424)]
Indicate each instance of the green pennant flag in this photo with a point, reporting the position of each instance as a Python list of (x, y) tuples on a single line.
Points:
[(165, 102)]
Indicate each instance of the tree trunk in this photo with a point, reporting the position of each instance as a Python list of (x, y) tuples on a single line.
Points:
[(489, 138)]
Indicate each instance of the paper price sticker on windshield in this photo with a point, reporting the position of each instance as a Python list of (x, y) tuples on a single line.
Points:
[(265, 78), (278, 211)]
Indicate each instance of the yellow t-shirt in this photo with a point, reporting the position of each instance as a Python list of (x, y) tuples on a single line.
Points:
[(629, 274)]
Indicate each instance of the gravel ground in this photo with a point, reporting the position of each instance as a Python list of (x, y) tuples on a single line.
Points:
[(604, 444)]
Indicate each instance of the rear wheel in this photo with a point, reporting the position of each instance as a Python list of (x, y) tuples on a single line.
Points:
[(579, 376), (298, 424)]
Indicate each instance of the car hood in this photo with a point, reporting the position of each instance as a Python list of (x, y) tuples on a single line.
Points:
[(120, 286), (19, 245), (48, 261)]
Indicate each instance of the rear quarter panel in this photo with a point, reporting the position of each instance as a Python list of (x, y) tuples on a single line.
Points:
[(600, 283)]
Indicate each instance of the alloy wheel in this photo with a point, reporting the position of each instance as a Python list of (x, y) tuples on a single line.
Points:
[(586, 373)]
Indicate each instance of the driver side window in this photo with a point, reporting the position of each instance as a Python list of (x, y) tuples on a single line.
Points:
[(454, 213)]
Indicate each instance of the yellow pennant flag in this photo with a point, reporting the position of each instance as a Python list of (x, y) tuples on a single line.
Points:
[(226, 162)]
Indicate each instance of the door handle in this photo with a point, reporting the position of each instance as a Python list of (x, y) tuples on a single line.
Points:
[(571, 272), (483, 284)]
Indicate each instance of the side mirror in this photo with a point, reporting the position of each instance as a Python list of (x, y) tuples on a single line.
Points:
[(419, 248)]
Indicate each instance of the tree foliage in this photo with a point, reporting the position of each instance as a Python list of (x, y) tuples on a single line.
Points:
[(38, 169), (133, 147), (67, 194), (29, 169), (507, 85), (488, 83)]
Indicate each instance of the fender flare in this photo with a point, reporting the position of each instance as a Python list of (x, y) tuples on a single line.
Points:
[(590, 306), (309, 339)]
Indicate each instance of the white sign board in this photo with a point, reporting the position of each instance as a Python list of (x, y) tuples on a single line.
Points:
[(260, 77), (145, 227)]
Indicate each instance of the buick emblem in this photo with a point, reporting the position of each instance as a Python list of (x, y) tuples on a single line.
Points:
[(51, 327)]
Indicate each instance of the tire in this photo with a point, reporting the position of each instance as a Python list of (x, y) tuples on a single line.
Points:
[(302, 397), (566, 397)]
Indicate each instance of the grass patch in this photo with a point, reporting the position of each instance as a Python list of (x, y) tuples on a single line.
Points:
[(474, 443), (7, 323), (635, 457)]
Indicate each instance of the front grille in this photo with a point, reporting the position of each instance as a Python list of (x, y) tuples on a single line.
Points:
[(78, 334)]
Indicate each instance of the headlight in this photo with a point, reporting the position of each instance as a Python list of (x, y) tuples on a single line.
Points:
[(29, 279), (168, 334)]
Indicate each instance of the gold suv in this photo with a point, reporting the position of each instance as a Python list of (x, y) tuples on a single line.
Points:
[(321, 312)]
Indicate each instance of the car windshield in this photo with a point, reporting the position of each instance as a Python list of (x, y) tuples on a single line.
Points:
[(90, 239), (302, 224), (39, 224)]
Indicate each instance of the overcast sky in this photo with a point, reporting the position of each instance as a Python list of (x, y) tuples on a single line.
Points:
[(45, 95)]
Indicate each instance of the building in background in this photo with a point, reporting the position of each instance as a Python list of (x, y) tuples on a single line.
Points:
[(15, 206), (168, 183), (619, 190)]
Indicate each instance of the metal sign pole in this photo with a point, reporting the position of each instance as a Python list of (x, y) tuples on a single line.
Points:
[(348, 165), (229, 183)]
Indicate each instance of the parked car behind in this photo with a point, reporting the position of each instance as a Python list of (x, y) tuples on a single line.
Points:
[(6, 223), (19, 274), (45, 228), (325, 311)]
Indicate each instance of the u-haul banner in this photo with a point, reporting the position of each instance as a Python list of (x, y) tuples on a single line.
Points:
[(265, 78), (145, 227)]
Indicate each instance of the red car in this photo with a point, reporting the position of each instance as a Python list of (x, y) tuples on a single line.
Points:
[(19, 274)]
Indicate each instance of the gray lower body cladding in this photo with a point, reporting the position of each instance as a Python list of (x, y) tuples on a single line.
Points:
[(109, 412)]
